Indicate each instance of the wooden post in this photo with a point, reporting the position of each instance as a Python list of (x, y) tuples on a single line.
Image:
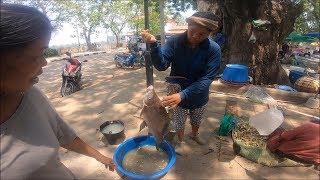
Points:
[(147, 56)]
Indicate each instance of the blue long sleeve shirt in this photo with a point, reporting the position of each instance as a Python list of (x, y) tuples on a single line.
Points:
[(199, 66)]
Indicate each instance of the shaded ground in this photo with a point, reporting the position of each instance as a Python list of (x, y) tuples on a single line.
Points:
[(110, 93)]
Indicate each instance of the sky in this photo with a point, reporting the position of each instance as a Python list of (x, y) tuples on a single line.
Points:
[(64, 35)]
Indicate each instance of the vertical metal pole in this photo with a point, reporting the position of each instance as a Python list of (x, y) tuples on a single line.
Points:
[(149, 69)]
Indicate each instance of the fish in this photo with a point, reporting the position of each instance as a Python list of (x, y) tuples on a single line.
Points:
[(155, 116)]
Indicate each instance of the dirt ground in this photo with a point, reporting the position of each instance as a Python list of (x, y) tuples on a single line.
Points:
[(109, 94)]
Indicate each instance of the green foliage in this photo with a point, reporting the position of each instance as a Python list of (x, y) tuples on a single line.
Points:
[(309, 20), (136, 20), (52, 8), (50, 52), (87, 15), (116, 18), (176, 6)]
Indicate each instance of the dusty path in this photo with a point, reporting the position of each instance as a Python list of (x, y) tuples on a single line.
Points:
[(110, 93)]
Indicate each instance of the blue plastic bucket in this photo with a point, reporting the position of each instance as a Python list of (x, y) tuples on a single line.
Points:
[(295, 75), (236, 73), (137, 142)]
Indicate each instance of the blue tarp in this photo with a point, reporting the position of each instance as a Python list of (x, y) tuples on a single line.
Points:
[(313, 34)]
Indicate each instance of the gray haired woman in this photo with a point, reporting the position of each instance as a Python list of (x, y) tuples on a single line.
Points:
[(31, 129)]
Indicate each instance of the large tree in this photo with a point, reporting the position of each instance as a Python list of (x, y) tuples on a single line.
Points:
[(136, 14), (87, 15), (261, 51), (117, 17)]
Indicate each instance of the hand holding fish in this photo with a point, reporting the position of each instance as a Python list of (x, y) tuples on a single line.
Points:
[(147, 37), (172, 100)]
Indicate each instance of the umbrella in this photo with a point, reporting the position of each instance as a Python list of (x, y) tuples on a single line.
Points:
[(297, 37)]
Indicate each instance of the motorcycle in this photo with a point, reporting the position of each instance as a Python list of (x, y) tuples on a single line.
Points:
[(71, 76), (129, 60), (135, 57)]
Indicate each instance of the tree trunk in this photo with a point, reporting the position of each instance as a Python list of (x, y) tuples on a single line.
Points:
[(260, 55), (88, 42), (117, 40), (162, 22), (87, 37)]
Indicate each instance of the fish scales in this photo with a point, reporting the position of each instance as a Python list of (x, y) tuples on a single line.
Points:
[(154, 116)]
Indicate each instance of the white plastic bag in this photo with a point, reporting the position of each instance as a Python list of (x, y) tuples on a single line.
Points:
[(259, 95), (252, 38), (267, 121)]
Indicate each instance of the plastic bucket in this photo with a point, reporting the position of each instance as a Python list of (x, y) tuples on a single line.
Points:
[(236, 73), (294, 75), (134, 143)]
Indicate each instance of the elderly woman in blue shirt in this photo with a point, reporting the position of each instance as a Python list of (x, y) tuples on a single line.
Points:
[(195, 59)]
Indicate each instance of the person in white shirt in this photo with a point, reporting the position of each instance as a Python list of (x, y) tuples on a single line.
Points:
[(31, 129)]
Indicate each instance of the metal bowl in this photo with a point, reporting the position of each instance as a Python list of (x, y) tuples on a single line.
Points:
[(112, 130)]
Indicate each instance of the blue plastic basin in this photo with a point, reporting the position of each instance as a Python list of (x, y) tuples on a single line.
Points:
[(236, 73), (134, 143), (295, 75), (286, 88)]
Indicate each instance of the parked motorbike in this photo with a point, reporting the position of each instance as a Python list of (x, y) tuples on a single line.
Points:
[(71, 76), (135, 57), (129, 60)]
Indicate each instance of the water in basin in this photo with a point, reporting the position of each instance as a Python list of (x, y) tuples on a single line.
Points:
[(113, 128), (145, 160)]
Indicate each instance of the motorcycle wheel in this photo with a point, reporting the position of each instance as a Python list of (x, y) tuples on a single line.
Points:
[(118, 65), (68, 88), (137, 65)]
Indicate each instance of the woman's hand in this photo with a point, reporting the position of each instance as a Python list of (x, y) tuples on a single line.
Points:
[(108, 162), (172, 101), (79, 146), (147, 37)]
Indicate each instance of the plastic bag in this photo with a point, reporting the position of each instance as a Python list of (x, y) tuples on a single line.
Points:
[(252, 38), (253, 146), (260, 23), (257, 94), (285, 88), (227, 124), (267, 121), (172, 88)]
